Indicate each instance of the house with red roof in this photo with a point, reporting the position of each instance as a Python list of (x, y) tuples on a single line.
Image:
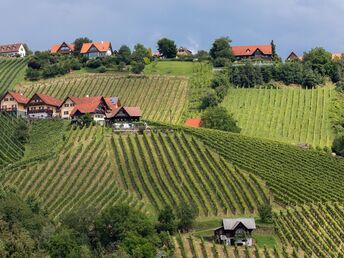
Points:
[(16, 49), (63, 48), (124, 114), (293, 57), (14, 102), (43, 106), (96, 49), (252, 52)]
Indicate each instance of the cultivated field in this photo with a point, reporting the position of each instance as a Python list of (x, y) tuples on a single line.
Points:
[(161, 98), (11, 72), (290, 115)]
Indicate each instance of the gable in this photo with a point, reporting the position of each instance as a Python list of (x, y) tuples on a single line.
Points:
[(64, 47)]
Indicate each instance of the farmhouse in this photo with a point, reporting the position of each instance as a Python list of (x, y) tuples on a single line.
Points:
[(15, 103), (64, 48), (182, 51), (124, 114), (96, 49), (17, 49), (252, 52), (235, 231), (293, 57), (43, 106), (336, 56)]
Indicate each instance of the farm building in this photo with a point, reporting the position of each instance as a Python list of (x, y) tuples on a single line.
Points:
[(63, 48), (96, 49), (235, 231), (253, 52), (293, 57), (15, 103), (17, 49), (124, 114), (43, 106)]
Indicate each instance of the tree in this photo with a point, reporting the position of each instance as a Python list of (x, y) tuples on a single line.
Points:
[(79, 42), (338, 145), (209, 100), (319, 59), (124, 54), (219, 118), (21, 132), (265, 213), (139, 53), (221, 52), (167, 48), (202, 55), (137, 67), (167, 221), (186, 214), (85, 120)]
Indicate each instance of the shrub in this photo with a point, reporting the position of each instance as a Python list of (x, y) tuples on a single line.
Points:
[(219, 118), (209, 100), (93, 63), (265, 213), (137, 68), (101, 69), (338, 145)]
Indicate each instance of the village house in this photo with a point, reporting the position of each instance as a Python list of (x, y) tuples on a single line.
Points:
[(124, 114), (235, 231), (96, 49), (14, 103), (17, 49), (64, 48), (293, 57), (252, 52), (336, 56), (183, 52), (43, 106)]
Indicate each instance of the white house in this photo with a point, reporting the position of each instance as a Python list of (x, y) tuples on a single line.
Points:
[(96, 49), (17, 49)]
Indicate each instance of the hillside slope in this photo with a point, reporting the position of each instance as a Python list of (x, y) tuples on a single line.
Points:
[(161, 98), (296, 116), (11, 72)]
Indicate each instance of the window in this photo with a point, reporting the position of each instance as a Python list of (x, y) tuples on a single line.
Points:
[(66, 105), (6, 99), (65, 113), (11, 99), (4, 107)]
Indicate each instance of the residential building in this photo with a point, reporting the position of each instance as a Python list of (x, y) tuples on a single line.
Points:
[(124, 114), (252, 52), (235, 231), (63, 48), (17, 49), (96, 49), (336, 56), (293, 57), (15, 103), (43, 106), (183, 52)]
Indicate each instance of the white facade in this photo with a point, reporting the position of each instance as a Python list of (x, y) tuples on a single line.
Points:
[(22, 51)]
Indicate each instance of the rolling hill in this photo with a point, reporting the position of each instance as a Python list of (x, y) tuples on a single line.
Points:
[(12, 71), (161, 98), (291, 115)]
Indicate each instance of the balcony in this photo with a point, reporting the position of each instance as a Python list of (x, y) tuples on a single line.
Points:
[(48, 111)]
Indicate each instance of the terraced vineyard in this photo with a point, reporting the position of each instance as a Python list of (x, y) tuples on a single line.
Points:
[(188, 246), (161, 98), (287, 115), (294, 175), (11, 149), (11, 71), (173, 168), (316, 228)]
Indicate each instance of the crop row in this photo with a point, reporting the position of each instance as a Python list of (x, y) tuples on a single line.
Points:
[(11, 71)]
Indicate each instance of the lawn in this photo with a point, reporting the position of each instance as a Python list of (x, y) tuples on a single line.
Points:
[(177, 68), (264, 239)]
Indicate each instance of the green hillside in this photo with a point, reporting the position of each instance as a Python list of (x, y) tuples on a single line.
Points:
[(292, 115), (161, 98), (11, 149), (12, 71), (177, 68)]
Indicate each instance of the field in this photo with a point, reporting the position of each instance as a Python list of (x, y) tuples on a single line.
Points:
[(11, 72), (177, 68), (161, 98), (10, 149), (291, 115)]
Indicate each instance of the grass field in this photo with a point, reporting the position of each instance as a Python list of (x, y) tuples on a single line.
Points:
[(161, 98), (12, 71), (177, 68), (288, 115)]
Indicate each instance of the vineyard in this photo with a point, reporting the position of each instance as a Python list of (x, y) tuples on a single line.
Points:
[(291, 115), (11, 71), (317, 229), (161, 98), (11, 149), (294, 175)]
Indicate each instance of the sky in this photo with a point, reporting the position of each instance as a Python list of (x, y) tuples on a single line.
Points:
[(294, 25)]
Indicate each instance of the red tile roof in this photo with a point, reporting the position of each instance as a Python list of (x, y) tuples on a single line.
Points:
[(249, 50), (102, 46), (10, 48), (51, 101), (55, 48), (112, 102), (87, 104), (84, 108), (20, 98), (132, 111), (194, 122)]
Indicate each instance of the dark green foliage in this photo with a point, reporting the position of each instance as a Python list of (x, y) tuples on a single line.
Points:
[(124, 55), (338, 145), (101, 69), (209, 100), (186, 214), (139, 53), (265, 213), (21, 132), (167, 48), (340, 86), (221, 52), (319, 59), (32, 74), (137, 68), (202, 55), (93, 63), (219, 118), (246, 76), (167, 221), (85, 120), (79, 42)]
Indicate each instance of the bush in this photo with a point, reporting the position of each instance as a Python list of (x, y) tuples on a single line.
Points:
[(93, 63), (265, 213), (221, 62), (186, 214), (137, 68), (338, 145), (340, 86), (209, 100), (32, 74), (219, 118), (101, 69)]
